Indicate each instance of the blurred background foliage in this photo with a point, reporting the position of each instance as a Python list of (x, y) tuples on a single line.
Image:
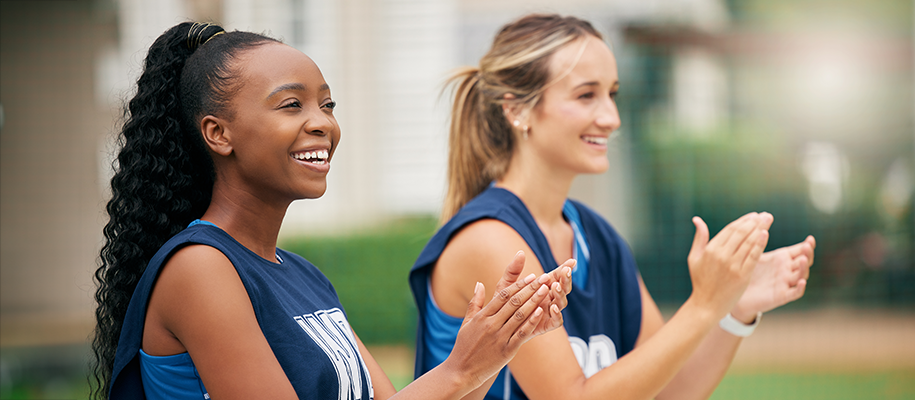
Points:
[(369, 272)]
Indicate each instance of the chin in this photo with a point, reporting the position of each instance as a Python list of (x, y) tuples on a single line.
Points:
[(315, 192), (596, 168)]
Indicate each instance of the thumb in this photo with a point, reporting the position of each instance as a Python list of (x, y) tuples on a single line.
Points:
[(512, 272), (476, 303), (700, 240)]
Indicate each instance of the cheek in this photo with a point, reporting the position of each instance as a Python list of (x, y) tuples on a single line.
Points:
[(572, 114)]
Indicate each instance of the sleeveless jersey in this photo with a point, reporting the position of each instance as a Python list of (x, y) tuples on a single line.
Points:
[(296, 308), (602, 319)]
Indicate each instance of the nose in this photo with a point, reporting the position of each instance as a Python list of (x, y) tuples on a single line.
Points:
[(608, 115), (320, 122)]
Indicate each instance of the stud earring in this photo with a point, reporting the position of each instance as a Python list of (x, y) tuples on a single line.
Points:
[(524, 132), (516, 123)]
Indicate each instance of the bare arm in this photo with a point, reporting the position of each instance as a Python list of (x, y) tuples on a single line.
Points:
[(779, 277), (200, 305), (704, 369), (546, 368)]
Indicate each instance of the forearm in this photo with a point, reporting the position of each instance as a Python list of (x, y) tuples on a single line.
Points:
[(646, 370), (705, 369), (442, 382)]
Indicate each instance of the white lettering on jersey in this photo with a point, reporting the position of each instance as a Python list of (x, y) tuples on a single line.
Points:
[(330, 330), (597, 354)]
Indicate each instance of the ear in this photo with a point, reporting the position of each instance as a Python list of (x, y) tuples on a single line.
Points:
[(512, 110), (216, 135)]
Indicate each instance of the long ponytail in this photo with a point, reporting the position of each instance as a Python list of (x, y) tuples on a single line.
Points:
[(481, 140), (163, 174)]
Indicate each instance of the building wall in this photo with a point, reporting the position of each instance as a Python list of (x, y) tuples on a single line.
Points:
[(50, 198)]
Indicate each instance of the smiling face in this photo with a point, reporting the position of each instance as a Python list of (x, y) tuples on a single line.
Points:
[(570, 125), (282, 130)]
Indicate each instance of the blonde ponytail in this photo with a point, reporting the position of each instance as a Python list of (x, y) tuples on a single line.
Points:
[(480, 146)]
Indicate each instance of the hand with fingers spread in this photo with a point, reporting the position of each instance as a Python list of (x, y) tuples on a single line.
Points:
[(721, 268), (780, 277), (491, 335), (559, 280)]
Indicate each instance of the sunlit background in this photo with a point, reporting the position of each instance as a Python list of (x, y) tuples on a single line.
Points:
[(803, 108)]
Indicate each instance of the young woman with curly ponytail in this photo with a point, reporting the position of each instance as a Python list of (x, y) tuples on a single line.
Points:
[(194, 299), (537, 112)]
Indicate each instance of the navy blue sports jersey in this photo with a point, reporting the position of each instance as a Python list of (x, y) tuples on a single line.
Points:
[(602, 319), (296, 307)]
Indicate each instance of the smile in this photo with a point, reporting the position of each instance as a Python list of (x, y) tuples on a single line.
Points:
[(315, 157), (598, 140)]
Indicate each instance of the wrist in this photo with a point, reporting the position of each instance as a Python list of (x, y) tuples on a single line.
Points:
[(747, 317), (453, 380), (700, 312), (736, 327)]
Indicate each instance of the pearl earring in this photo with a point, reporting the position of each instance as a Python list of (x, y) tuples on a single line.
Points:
[(524, 132), (516, 123)]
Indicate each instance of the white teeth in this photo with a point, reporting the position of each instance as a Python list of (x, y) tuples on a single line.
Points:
[(596, 140), (315, 157)]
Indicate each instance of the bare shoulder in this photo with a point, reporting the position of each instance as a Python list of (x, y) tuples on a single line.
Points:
[(478, 253), (197, 269), (201, 302), (485, 244), (196, 283)]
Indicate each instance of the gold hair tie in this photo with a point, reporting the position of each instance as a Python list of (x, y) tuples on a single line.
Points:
[(195, 34), (214, 35)]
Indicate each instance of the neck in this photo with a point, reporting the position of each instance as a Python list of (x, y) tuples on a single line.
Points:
[(249, 219), (542, 188)]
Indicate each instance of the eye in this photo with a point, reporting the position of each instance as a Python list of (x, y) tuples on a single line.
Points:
[(613, 94), (588, 95), (330, 105), (292, 103)]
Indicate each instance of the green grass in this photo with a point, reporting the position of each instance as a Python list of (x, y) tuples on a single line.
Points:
[(886, 385), (813, 385), (57, 389), (369, 271)]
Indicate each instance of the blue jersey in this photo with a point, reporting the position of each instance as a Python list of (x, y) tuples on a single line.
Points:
[(602, 318), (295, 305)]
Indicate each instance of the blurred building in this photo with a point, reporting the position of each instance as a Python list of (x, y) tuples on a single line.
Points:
[(69, 66)]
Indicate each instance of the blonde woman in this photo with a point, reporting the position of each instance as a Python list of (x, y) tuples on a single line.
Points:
[(536, 113)]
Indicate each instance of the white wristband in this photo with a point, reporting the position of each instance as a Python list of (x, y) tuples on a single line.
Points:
[(735, 327)]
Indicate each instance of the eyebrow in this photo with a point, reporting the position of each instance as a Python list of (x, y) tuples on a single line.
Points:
[(592, 83), (295, 86), (287, 86), (595, 83)]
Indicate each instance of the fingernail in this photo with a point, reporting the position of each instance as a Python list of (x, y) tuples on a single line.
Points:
[(543, 279), (542, 290), (520, 252), (477, 288), (569, 272), (555, 309), (530, 278), (538, 311), (557, 287)]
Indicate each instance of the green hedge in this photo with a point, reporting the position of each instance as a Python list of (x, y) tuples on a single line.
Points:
[(369, 270)]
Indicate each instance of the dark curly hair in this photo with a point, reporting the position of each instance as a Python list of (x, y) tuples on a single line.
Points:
[(163, 173)]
